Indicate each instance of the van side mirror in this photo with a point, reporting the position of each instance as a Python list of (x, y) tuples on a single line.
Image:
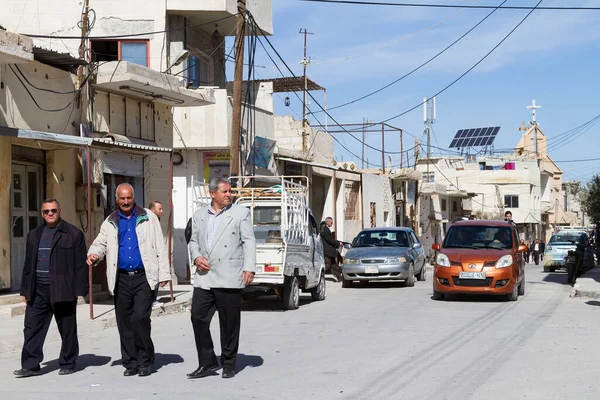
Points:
[(522, 248), (436, 247), (347, 246), (417, 246)]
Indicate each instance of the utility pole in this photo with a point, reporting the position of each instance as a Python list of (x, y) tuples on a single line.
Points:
[(82, 48), (305, 63), (383, 148), (429, 119), (401, 150), (363, 145), (236, 114)]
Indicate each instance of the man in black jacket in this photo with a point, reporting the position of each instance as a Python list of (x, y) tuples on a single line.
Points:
[(54, 275), (330, 247)]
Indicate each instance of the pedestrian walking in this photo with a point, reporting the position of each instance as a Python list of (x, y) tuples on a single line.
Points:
[(54, 275), (596, 235), (528, 251), (536, 252), (136, 263), (330, 249), (223, 250)]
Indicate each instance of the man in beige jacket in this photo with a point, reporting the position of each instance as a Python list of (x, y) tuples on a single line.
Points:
[(136, 263)]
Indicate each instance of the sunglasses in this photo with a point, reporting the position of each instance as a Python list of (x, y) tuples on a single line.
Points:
[(52, 210)]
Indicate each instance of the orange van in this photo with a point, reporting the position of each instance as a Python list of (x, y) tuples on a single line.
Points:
[(480, 257)]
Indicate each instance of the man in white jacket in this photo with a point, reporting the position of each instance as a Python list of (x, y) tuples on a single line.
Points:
[(136, 263)]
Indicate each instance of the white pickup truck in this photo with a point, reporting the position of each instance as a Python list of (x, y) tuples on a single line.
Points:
[(289, 251)]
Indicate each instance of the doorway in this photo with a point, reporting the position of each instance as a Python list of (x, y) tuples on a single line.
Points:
[(26, 196)]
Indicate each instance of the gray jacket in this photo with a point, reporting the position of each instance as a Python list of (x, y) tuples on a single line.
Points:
[(233, 250)]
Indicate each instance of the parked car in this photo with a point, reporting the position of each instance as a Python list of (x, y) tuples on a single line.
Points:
[(384, 254), (557, 249), (480, 257)]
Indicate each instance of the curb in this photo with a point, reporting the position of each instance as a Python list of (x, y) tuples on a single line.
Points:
[(165, 309)]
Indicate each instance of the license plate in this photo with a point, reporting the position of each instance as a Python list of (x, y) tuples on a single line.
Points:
[(471, 275), (371, 269)]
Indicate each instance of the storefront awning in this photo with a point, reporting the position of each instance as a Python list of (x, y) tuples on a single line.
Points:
[(109, 142)]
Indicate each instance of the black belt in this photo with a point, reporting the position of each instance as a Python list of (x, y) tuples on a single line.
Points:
[(136, 272)]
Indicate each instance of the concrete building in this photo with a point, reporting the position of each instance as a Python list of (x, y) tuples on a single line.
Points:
[(48, 121)]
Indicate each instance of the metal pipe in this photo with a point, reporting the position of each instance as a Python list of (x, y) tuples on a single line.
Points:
[(170, 228), (89, 226)]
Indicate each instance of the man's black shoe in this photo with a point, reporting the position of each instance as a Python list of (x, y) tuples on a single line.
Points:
[(203, 371), (26, 373), (144, 371), (130, 372), (66, 371), (228, 373)]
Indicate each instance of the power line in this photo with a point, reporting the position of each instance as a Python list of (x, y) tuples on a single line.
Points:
[(315, 100), (470, 69), (283, 75), (403, 39), (420, 66), (128, 35), (580, 160), (381, 3)]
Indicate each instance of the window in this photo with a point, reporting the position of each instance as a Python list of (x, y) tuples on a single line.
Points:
[(428, 177), (454, 206), (444, 205), (511, 201), (133, 51), (200, 70), (391, 238)]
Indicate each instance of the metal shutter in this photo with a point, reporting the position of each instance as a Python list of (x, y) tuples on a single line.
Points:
[(123, 164)]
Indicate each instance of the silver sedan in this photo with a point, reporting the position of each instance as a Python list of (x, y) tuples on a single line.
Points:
[(384, 254)]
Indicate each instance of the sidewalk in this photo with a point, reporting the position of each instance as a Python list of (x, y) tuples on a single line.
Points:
[(11, 329), (587, 285)]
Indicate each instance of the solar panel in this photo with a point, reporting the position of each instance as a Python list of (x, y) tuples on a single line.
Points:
[(474, 137)]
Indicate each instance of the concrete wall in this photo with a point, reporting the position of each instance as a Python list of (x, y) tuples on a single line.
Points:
[(376, 189), (5, 186), (18, 110)]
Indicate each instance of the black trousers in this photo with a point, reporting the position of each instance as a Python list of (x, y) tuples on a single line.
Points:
[(204, 304), (133, 306), (331, 264), (38, 315), (536, 257)]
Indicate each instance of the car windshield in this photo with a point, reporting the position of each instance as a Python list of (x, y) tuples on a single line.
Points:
[(478, 237), (382, 238), (569, 238)]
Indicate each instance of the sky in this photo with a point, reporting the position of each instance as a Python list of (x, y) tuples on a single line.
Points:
[(551, 58)]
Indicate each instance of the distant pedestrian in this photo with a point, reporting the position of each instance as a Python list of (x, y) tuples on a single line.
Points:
[(54, 275), (596, 235), (136, 264), (330, 248), (536, 252), (157, 208), (223, 250), (528, 251)]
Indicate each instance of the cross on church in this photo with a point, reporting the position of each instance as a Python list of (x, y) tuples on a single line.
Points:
[(533, 107), (522, 128)]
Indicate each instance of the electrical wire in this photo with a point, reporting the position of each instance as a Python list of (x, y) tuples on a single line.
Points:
[(403, 39), (470, 69), (421, 65), (313, 98), (253, 21), (381, 3), (128, 35)]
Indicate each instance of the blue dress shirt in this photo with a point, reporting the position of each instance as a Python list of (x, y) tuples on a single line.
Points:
[(130, 258)]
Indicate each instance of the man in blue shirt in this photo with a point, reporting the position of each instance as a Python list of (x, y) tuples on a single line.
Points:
[(136, 264)]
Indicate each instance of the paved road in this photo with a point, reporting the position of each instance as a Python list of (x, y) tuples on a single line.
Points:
[(371, 342)]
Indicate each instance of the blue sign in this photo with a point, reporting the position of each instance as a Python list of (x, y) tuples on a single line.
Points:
[(261, 152)]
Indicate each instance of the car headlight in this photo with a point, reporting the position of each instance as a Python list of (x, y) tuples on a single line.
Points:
[(351, 261), (395, 260), (548, 247), (442, 260), (504, 261)]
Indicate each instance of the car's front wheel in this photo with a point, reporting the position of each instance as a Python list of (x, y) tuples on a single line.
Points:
[(410, 281)]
